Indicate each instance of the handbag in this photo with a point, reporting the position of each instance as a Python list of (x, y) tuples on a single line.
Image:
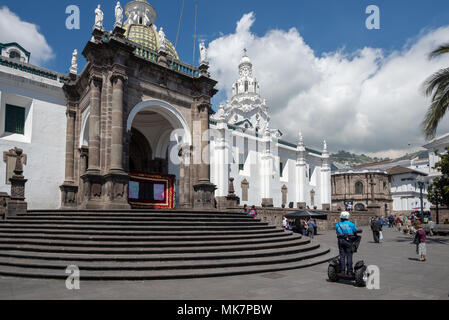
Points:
[(381, 235)]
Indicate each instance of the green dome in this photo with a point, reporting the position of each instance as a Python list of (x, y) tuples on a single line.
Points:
[(140, 27), (148, 37)]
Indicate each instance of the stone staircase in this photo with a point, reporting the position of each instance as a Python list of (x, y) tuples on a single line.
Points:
[(149, 245)]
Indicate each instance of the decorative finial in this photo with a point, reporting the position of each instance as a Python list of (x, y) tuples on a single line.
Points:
[(301, 139), (99, 17), (245, 52), (74, 66), (325, 145)]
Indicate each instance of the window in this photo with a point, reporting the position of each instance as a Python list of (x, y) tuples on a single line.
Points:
[(14, 55), (15, 119), (246, 86), (359, 188), (281, 169)]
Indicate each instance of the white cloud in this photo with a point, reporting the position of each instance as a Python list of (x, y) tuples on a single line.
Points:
[(363, 101), (13, 29)]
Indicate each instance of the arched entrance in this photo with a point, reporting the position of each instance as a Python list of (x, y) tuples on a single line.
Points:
[(157, 130)]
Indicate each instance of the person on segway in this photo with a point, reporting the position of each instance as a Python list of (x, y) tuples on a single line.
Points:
[(347, 236)]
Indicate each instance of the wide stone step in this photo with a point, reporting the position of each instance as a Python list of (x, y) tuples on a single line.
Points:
[(146, 250), (127, 238), (163, 265), (306, 246), (199, 227), (122, 233), (149, 223), (159, 218), (13, 271), (131, 212), (152, 216), (139, 244)]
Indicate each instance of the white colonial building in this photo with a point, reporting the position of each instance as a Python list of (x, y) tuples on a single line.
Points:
[(406, 191), (267, 170), (32, 117), (435, 147)]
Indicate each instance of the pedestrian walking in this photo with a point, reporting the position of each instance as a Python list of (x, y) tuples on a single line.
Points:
[(420, 241), (310, 228), (390, 221), (376, 227), (431, 227)]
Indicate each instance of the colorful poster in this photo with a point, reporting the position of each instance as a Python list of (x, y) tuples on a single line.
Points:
[(134, 190), (159, 192)]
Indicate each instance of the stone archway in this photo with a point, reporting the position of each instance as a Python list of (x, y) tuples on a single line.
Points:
[(170, 113), (156, 133)]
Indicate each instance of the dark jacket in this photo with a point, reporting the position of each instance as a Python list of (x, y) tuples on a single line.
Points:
[(376, 226)]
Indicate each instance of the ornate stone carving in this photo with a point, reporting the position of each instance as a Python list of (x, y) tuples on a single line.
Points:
[(17, 204)]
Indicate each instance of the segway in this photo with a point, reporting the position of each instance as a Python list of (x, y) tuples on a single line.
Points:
[(360, 276), (360, 273)]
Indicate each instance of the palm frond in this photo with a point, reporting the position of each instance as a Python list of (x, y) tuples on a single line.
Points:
[(440, 78), (443, 49), (436, 112)]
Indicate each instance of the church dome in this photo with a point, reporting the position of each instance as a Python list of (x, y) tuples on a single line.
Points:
[(140, 27)]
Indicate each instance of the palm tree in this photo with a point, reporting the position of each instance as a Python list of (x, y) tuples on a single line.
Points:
[(436, 86)]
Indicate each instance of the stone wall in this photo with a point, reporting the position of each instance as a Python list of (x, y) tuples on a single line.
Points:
[(273, 216), (443, 213)]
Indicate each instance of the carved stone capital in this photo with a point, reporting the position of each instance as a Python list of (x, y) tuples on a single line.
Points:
[(96, 80)]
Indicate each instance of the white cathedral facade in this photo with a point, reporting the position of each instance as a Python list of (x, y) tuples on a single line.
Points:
[(266, 169)]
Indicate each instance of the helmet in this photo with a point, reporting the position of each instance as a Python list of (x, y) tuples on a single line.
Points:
[(345, 215)]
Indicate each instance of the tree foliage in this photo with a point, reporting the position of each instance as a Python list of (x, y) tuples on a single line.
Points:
[(437, 87), (438, 193)]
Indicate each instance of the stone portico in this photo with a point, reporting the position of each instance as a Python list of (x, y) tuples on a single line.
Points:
[(127, 87)]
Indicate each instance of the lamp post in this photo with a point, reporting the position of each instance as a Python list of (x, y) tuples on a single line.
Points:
[(421, 181)]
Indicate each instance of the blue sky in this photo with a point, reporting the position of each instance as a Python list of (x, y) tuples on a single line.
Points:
[(326, 25), (320, 69)]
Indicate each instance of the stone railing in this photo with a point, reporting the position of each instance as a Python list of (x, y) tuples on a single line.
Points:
[(274, 217)]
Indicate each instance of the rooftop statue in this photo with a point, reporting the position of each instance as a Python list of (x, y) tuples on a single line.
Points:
[(99, 17), (74, 67), (146, 19), (118, 14), (203, 52), (162, 45)]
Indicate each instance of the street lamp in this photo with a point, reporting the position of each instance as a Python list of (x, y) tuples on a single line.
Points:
[(421, 181)]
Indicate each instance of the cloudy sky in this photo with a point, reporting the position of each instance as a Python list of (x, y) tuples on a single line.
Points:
[(321, 71)]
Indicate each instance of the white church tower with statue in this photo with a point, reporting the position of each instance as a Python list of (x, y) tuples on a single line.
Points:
[(266, 169)]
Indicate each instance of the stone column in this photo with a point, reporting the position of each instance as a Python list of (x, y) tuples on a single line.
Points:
[(204, 168), (69, 189), (117, 180), (221, 162), (325, 180), (267, 171), (301, 175), (185, 184), (94, 124), (204, 190), (70, 146), (117, 123), (93, 181)]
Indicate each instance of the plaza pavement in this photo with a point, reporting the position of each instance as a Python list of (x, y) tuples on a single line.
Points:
[(402, 277)]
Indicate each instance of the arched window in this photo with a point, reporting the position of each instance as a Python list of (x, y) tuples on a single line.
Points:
[(359, 188), (246, 86)]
